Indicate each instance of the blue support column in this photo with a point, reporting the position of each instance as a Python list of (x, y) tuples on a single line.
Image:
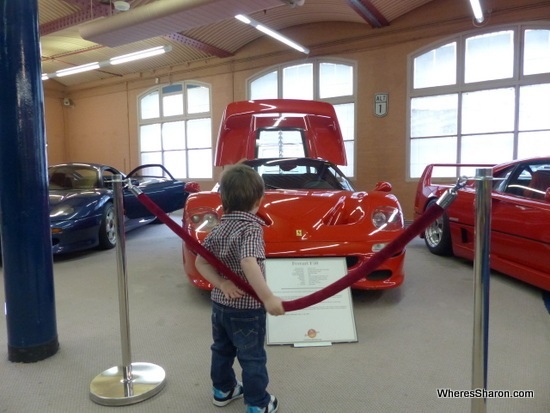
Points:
[(24, 205)]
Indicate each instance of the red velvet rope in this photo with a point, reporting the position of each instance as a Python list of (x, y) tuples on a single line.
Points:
[(374, 262)]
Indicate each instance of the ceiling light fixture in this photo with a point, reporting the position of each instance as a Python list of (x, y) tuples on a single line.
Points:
[(111, 62), (78, 69), (130, 57), (272, 33), (478, 13)]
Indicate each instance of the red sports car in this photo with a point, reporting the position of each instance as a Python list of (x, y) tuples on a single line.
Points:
[(520, 218), (310, 208)]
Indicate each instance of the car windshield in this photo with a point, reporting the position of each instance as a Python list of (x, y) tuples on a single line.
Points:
[(72, 177), (300, 173)]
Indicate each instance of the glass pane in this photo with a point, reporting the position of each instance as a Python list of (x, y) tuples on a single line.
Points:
[(531, 144), (154, 170), (298, 82), (174, 161), (149, 106), (489, 56), (175, 88), (264, 87), (335, 80), (433, 150), (280, 144), (199, 133), (434, 116), (534, 107), (200, 163), (172, 104), (173, 135), (436, 67), (349, 169), (346, 119), (151, 157), (488, 111), (490, 149), (536, 54), (198, 99), (149, 138)]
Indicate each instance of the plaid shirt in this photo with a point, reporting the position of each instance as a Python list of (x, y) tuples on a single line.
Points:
[(239, 235)]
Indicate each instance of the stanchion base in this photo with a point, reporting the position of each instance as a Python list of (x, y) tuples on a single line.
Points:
[(111, 389)]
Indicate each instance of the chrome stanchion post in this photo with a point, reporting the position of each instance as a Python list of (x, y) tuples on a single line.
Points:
[(131, 382), (482, 237), (122, 272)]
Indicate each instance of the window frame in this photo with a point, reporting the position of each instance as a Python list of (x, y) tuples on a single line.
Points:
[(460, 88), (185, 117)]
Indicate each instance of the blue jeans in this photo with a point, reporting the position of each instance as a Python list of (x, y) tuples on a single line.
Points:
[(240, 333)]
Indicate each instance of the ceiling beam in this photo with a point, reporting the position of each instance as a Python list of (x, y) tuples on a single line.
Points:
[(84, 15), (188, 41), (161, 18), (369, 13), (93, 10)]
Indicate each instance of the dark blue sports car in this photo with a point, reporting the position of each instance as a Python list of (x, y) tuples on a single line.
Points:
[(82, 213)]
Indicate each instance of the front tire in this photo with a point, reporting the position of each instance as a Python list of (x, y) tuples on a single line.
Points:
[(107, 228), (437, 235)]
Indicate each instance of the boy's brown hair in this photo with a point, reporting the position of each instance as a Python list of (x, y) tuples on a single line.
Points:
[(240, 188)]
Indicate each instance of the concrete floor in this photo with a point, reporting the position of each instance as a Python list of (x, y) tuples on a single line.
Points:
[(411, 341)]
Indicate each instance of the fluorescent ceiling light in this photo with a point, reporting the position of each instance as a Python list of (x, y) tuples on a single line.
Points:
[(77, 69), (111, 62), (243, 18), (140, 55), (272, 33), (476, 8)]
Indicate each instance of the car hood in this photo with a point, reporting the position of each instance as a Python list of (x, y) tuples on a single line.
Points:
[(74, 204), (314, 215), (73, 197), (297, 215)]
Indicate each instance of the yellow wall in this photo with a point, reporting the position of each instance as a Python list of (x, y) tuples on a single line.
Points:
[(55, 123), (101, 124)]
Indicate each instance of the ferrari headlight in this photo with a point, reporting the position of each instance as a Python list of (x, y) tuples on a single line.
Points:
[(387, 218), (203, 220)]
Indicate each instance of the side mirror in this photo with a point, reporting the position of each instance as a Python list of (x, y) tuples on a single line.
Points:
[(547, 195), (383, 186)]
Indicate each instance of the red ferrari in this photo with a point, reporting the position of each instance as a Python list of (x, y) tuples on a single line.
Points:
[(520, 218), (310, 208)]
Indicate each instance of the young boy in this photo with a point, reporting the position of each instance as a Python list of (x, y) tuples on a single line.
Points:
[(239, 320)]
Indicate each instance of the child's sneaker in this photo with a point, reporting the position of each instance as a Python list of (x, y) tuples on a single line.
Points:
[(224, 398), (271, 407)]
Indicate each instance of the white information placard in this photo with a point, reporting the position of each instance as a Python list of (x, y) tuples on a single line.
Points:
[(330, 321)]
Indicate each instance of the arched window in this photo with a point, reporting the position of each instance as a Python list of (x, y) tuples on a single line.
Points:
[(175, 129), (480, 97), (331, 81)]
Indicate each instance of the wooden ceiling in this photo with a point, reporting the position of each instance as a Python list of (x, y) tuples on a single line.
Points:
[(76, 32)]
